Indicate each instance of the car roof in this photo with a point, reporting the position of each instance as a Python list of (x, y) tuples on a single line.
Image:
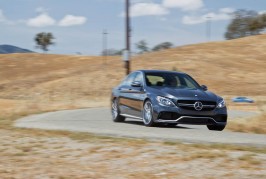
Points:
[(160, 71)]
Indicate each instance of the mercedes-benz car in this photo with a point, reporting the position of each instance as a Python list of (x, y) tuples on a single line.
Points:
[(169, 98)]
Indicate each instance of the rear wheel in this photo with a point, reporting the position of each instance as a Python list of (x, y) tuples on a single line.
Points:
[(116, 113), (216, 127), (148, 114)]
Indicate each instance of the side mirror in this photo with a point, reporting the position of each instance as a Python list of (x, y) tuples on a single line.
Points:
[(136, 84), (204, 87)]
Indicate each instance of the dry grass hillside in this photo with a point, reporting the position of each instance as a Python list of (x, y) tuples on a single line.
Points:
[(236, 67), (50, 82), (31, 83)]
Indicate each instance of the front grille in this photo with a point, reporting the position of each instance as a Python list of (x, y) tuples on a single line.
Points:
[(189, 105)]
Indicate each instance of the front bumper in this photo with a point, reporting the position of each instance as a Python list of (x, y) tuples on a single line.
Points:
[(163, 114)]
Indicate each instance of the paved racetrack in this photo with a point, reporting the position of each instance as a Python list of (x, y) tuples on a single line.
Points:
[(98, 121)]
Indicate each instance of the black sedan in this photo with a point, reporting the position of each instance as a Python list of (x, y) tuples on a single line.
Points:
[(166, 97)]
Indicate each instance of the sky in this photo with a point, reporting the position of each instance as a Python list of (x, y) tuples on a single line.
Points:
[(78, 25)]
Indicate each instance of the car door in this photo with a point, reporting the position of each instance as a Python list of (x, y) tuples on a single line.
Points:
[(136, 95), (124, 94)]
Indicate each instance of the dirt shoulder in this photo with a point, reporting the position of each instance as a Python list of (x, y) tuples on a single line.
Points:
[(42, 154), (28, 153)]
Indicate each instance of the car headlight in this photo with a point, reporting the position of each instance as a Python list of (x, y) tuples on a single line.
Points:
[(165, 101), (221, 104)]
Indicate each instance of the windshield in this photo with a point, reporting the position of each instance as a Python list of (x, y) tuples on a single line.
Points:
[(174, 80)]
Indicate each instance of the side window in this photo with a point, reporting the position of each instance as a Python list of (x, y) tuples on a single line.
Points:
[(178, 83), (139, 78), (129, 79), (188, 82)]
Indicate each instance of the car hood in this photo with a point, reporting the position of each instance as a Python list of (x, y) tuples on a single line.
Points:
[(191, 94)]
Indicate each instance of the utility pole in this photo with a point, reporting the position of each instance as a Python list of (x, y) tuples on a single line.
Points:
[(105, 50), (127, 52), (208, 28)]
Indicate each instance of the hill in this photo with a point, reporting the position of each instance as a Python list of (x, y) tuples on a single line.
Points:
[(6, 49), (235, 67), (44, 81)]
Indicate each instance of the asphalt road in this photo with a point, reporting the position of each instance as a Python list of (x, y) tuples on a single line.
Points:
[(98, 121)]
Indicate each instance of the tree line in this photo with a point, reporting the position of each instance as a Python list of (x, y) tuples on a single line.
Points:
[(142, 47)]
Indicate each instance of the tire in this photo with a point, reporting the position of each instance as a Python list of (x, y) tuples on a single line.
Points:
[(216, 127), (116, 113), (147, 114)]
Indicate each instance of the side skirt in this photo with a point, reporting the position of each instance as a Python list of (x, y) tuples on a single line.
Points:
[(130, 116)]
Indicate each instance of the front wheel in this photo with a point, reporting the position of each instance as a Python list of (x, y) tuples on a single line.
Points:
[(216, 127), (148, 114), (116, 113)]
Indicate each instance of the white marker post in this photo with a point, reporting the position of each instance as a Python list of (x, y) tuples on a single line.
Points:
[(125, 55)]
